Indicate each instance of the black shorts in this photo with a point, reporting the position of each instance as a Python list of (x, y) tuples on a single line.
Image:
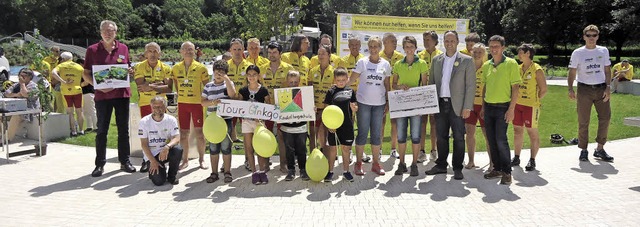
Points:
[(345, 136)]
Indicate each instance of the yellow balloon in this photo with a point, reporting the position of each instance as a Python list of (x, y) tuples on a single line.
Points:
[(214, 128), (332, 117), (317, 165), (264, 142)]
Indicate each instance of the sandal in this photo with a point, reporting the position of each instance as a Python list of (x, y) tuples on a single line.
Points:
[(213, 178), (227, 177)]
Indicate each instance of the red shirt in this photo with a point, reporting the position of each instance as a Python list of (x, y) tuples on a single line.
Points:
[(97, 55)]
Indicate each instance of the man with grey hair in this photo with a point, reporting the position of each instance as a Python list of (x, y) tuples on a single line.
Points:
[(69, 74), (160, 139), (153, 78), (107, 52)]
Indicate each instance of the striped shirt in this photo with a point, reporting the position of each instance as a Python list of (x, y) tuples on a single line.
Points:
[(214, 91)]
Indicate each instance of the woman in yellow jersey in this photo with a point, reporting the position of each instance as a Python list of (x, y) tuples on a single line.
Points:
[(478, 52), (296, 57), (321, 77), (527, 112)]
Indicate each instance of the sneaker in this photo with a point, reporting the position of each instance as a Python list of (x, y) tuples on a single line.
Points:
[(376, 168), (394, 153), (347, 176), (246, 166), (584, 155), (506, 179), (328, 177), (264, 178), (366, 159), (493, 174), (433, 155), (402, 168), (414, 170), (422, 157), (255, 178), (290, 175), (303, 175), (602, 155), (515, 161), (531, 165), (357, 168)]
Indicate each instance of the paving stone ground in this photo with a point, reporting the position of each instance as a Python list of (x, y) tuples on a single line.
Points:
[(57, 190)]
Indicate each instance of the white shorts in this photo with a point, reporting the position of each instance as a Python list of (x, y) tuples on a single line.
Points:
[(249, 125)]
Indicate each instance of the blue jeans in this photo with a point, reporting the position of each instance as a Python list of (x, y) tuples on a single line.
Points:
[(369, 117), (225, 145), (445, 120), (402, 124), (496, 128)]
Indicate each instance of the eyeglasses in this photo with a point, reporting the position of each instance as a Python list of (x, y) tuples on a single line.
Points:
[(591, 35)]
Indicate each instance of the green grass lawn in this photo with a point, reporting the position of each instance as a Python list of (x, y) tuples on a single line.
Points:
[(558, 116)]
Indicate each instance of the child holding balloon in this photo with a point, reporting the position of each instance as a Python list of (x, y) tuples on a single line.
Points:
[(295, 138), (220, 88), (254, 92), (340, 133)]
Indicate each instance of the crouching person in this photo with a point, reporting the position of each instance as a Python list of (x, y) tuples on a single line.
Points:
[(160, 138)]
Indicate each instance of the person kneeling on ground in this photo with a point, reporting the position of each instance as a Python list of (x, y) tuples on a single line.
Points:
[(160, 138)]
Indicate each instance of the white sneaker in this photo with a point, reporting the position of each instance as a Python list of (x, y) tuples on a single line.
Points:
[(394, 153), (422, 157), (434, 155)]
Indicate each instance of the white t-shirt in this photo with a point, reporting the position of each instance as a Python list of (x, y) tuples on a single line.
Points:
[(158, 133), (589, 64), (371, 90)]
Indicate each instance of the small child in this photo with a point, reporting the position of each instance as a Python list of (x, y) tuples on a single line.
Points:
[(254, 92), (220, 88), (295, 138), (345, 98)]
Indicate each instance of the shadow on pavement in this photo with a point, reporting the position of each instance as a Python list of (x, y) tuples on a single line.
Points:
[(491, 188), (80, 183), (528, 178), (599, 171), (637, 188)]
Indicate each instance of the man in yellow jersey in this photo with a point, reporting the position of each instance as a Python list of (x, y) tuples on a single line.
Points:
[(253, 46), (501, 91), (527, 113), (237, 68), (321, 77), (296, 57), (189, 77), (274, 75), (349, 61), (53, 60), (430, 41), (623, 71), (470, 41), (390, 54), (153, 78), (334, 61), (69, 74)]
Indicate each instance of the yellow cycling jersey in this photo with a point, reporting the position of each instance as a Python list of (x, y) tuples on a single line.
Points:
[(397, 56), (322, 82), (151, 75), (479, 87), (237, 72), (190, 82), (300, 64), (275, 80), (257, 61), (70, 71), (428, 57), (529, 86), (349, 63)]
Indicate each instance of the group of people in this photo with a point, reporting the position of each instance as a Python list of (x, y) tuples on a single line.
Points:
[(471, 89)]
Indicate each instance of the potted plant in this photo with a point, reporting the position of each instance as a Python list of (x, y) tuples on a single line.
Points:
[(36, 53)]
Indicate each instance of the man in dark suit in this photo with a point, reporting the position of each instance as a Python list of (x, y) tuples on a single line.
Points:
[(454, 76)]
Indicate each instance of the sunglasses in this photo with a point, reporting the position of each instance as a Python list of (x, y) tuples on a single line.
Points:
[(591, 35)]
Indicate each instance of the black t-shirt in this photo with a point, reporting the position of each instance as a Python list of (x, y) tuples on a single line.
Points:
[(341, 97), (257, 97)]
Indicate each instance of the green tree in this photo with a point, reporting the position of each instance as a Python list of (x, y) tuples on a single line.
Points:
[(625, 25), (184, 16), (264, 19)]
